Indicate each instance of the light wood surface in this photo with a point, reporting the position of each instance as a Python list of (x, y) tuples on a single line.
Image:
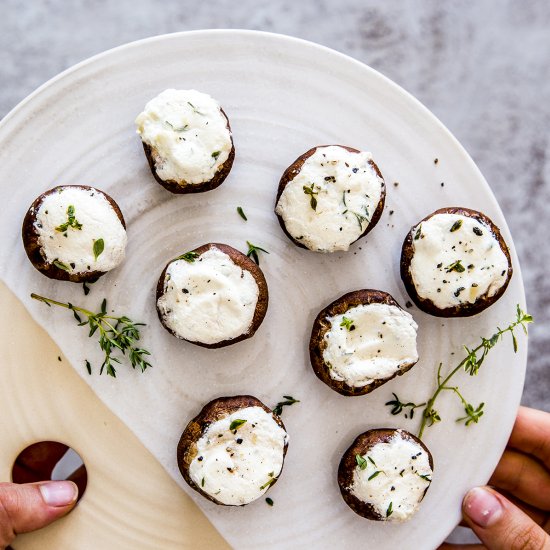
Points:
[(130, 501)]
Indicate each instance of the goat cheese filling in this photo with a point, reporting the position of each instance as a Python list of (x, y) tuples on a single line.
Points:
[(208, 298), (330, 202), (393, 478), (188, 135), (239, 457), (456, 259), (368, 343), (79, 231)]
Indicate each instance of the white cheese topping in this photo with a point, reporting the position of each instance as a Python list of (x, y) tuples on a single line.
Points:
[(455, 267), (369, 342), (238, 466), (209, 299), (404, 475), (188, 134), (345, 191), (72, 245)]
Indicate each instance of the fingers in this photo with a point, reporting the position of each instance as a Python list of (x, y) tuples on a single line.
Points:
[(531, 434), (31, 506), (448, 546), (523, 477), (499, 524)]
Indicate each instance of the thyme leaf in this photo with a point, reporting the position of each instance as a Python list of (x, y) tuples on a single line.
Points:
[(241, 213), (361, 462), (253, 252), (62, 266), (236, 424), (189, 257), (456, 226), (311, 192), (99, 247), (348, 323), (456, 266), (289, 400)]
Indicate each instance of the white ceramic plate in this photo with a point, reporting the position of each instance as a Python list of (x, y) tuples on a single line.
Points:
[(282, 97)]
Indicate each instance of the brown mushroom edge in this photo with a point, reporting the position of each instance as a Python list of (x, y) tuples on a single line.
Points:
[(362, 444), (294, 169), (34, 250), (213, 411), (243, 262), (321, 325), (465, 309), (180, 188)]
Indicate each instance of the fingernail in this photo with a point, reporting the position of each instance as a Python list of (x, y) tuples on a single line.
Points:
[(59, 493), (482, 507)]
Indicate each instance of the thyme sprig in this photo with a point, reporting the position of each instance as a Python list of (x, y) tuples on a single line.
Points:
[(253, 252), (289, 400), (471, 364), (115, 333), (311, 192), (398, 406), (71, 221)]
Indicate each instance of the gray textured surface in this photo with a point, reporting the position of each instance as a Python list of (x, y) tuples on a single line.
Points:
[(481, 67)]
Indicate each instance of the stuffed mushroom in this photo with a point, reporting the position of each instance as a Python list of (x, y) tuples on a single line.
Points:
[(187, 140), (233, 451), (385, 474), (361, 341), (74, 233), (455, 263), (330, 197), (212, 296)]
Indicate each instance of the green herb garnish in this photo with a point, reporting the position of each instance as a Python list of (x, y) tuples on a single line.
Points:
[(88, 367), (71, 221), (457, 266), (241, 213), (398, 406), (289, 400), (360, 219), (426, 477), (471, 365), (62, 266), (268, 483), (456, 226), (348, 323), (182, 129), (376, 474), (115, 333), (86, 287), (477, 231), (269, 501), (188, 257), (311, 192), (216, 154), (361, 462), (195, 109), (99, 246), (389, 511), (236, 424), (418, 233), (253, 251), (202, 482)]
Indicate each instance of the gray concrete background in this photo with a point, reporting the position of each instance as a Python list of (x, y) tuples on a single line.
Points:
[(482, 67)]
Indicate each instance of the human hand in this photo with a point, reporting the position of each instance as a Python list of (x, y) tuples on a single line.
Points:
[(30, 506), (521, 519)]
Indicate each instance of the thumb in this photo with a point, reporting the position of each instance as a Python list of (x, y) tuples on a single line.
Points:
[(30, 506), (500, 524)]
